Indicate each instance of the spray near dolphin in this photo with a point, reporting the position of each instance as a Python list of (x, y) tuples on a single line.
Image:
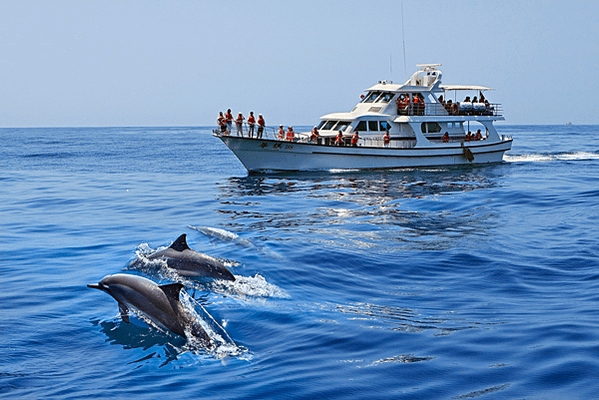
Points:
[(191, 263)]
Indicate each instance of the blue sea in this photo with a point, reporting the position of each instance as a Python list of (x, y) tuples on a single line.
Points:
[(432, 283)]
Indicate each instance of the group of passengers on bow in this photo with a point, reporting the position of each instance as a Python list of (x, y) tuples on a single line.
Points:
[(225, 123)]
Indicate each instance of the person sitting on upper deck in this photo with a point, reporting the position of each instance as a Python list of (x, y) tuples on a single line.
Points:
[(479, 135), (446, 138), (386, 138), (290, 134), (281, 132), (315, 135), (482, 97), (468, 136), (354, 139), (339, 141)]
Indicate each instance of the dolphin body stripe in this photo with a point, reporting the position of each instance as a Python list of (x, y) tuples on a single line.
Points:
[(191, 263), (160, 303)]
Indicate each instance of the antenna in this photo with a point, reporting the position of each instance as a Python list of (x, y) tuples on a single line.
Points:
[(405, 70)]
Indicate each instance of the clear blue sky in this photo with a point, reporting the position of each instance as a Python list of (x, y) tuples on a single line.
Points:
[(177, 63)]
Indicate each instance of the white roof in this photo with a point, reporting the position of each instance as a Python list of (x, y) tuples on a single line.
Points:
[(464, 87)]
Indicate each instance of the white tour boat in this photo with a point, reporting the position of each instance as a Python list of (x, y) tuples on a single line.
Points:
[(424, 128)]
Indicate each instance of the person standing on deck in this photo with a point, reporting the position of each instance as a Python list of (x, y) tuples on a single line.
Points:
[(290, 134), (354, 139), (386, 139), (222, 123), (229, 118), (339, 141), (239, 123), (251, 124), (281, 132), (261, 125)]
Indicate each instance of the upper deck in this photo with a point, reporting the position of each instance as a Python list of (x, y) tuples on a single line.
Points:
[(423, 95)]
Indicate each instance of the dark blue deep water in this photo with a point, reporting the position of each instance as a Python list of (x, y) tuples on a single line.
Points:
[(449, 283)]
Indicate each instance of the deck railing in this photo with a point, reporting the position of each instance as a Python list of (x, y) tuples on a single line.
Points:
[(458, 109)]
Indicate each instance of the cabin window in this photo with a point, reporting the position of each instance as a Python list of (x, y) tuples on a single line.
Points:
[(384, 126), (361, 126), (320, 125), (329, 125), (371, 97), (373, 125), (341, 126), (432, 127)]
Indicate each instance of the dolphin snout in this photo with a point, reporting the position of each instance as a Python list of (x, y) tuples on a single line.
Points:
[(96, 286)]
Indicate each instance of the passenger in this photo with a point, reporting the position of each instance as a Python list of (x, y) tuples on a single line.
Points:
[(290, 134), (339, 141), (314, 137), (469, 136), (416, 107), (479, 135), (281, 132), (261, 125), (354, 139), (386, 138), (239, 123), (482, 97), (229, 118), (446, 138), (251, 124), (222, 123)]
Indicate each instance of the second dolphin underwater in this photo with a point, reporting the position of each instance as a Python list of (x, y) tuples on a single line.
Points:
[(189, 262)]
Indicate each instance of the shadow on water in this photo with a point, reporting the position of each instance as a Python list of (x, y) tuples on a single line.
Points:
[(133, 336)]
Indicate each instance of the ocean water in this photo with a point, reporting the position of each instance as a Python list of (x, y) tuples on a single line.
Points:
[(449, 283)]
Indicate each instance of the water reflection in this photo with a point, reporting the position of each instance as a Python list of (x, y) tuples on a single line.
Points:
[(402, 206)]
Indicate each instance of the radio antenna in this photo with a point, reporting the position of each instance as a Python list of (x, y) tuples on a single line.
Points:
[(403, 40)]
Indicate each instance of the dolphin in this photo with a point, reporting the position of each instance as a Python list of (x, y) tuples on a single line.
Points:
[(189, 262), (159, 302)]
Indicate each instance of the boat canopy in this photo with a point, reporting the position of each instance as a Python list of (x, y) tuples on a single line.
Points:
[(464, 87)]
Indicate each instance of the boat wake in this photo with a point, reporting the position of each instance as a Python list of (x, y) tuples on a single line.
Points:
[(567, 156)]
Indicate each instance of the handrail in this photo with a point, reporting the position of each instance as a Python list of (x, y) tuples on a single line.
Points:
[(451, 109)]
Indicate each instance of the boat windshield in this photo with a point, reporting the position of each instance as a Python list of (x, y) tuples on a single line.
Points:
[(341, 126), (371, 97), (385, 97), (329, 125)]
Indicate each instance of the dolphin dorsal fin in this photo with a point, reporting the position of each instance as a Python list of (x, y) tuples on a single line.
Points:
[(180, 244), (172, 290)]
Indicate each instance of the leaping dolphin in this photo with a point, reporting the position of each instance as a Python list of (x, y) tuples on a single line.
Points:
[(159, 302), (189, 262)]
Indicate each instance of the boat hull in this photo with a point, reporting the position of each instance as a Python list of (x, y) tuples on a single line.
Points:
[(258, 155)]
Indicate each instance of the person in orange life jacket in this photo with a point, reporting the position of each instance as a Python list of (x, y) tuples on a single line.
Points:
[(239, 123), (261, 125), (281, 132), (354, 139), (479, 135), (229, 118), (339, 141), (251, 124), (315, 135), (386, 139), (446, 137), (221, 123), (290, 134)]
